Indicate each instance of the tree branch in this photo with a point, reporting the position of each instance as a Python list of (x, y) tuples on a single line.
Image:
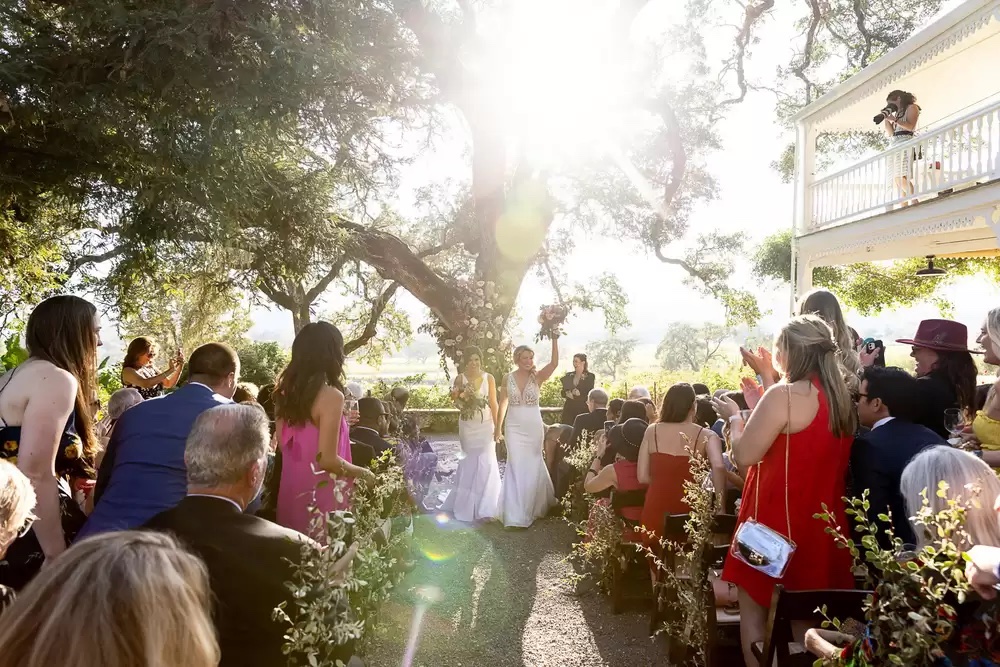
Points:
[(395, 261), (743, 38), (807, 50), (866, 50), (325, 281), (371, 330), (78, 262)]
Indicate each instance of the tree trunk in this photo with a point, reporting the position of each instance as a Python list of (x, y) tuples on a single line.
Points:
[(301, 316)]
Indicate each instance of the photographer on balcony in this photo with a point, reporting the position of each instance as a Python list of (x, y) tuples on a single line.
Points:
[(899, 117)]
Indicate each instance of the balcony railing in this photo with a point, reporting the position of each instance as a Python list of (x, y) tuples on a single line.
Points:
[(939, 161)]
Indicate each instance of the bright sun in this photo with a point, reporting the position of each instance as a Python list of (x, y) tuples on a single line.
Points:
[(557, 86)]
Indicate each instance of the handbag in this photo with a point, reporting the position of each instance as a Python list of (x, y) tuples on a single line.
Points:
[(759, 546)]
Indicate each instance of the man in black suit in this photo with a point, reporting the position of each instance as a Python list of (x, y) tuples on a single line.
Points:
[(249, 559), (372, 426), (887, 404), (593, 421)]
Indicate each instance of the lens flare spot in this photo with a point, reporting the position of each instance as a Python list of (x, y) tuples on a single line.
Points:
[(442, 519), (522, 226)]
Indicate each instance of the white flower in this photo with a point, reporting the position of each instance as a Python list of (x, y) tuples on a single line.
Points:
[(441, 330), (490, 351), (458, 338), (479, 292), (473, 321), (480, 284), (449, 342), (489, 334), (498, 319), (489, 306)]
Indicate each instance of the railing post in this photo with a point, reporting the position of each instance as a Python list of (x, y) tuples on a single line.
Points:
[(805, 171)]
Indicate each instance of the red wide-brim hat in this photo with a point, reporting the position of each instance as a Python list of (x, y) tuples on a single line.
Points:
[(941, 336)]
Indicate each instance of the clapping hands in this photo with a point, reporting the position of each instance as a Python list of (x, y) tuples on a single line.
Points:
[(752, 392), (761, 362)]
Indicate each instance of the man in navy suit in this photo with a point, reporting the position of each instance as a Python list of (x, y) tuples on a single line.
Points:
[(143, 471), (887, 402)]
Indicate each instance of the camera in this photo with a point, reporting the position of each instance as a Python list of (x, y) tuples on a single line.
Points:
[(889, 110), (871, 345)]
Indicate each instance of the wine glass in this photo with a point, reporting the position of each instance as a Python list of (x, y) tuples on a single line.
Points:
[(955, 422), (351, 407)]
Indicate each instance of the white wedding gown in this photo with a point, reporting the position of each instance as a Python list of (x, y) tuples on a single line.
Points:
[(475, 492), (527, 489)]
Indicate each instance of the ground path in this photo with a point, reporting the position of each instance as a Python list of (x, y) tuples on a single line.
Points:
[(501, 599)]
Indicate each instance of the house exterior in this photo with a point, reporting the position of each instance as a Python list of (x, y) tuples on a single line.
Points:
[(866, 211)]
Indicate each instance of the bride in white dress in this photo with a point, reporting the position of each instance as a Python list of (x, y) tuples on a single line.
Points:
[(475, 493), (527, 489)]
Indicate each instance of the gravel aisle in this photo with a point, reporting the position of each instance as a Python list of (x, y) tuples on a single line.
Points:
[(502, 602)]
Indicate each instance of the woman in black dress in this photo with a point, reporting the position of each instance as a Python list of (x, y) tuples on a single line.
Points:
[(47, 430), (575, 387)]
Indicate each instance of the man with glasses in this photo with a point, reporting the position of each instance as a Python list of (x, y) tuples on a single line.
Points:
[(886, 403)]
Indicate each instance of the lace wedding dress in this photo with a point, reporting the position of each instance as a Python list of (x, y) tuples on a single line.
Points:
[(475, 492), (527, 489)]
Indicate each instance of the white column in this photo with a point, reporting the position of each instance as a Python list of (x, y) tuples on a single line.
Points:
[(805, 171), (802, 275)]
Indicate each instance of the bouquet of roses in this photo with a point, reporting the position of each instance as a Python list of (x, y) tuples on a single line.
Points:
[(470, 402), (551, 318)]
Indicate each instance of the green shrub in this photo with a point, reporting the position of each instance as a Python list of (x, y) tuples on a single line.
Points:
[(261, 361)]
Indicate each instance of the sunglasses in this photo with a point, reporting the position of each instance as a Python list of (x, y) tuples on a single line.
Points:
[(857, 396)]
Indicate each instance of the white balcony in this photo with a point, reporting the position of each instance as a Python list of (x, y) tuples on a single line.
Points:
[(937, 194)]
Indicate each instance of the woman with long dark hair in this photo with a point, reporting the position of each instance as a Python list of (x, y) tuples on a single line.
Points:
[(47, 429), (900, 126), (946, 372), (312, 429), (575, 387), (139, 373)]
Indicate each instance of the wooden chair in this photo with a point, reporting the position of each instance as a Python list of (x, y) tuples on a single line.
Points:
[(788, 606), (723, 526), (628, 558)]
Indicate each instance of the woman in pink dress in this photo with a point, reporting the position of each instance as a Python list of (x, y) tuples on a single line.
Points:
[(312, 430)]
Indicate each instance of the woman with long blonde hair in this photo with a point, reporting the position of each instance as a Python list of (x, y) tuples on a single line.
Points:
[(986, 426), (115, 600), (797, 445)]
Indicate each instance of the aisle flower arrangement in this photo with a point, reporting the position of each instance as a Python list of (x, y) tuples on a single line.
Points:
[(913, 617)]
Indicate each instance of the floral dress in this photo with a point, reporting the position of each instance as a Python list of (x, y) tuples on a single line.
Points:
[(147, 372), (24, 557)]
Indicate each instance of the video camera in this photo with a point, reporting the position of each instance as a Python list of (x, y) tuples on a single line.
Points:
[(889, 110)]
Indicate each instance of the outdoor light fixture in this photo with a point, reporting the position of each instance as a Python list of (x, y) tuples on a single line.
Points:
[(930, 271)]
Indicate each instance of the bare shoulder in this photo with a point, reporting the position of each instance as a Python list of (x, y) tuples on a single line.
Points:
[(44, 374), (328, 399)]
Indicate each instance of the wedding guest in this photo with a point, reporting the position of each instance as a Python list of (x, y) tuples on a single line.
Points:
[(986, 426), (144, 598), (226, 458), (266, 399), (418, 458), (372, 427), (705, 415), (576, 387), (945, 370), (633, 409), (824, 304), (700, 389), (312, 430), (354, 390), (638, 392), (396, 404), (622, 475), (17, 500), (120, 401), (615, 409), (139, 373), (650, 409), (735, 396), (586, 425), (968, 480), (878, 456), (665, 455), (246, 392), (798, 441), (143, 472), (46, 427)]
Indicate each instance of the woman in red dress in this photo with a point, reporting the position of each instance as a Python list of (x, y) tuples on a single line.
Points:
[(665, 458), (812, 405)]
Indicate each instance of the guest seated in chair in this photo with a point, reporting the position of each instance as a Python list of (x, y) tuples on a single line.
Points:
[(878, 457), (584, 426), (372, 426), (622, 475), (249, 559)]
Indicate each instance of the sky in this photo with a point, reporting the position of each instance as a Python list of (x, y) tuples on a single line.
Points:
[(751, 198)]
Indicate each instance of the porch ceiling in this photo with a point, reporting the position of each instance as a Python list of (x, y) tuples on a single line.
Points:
[(949, 66), (962, 224)]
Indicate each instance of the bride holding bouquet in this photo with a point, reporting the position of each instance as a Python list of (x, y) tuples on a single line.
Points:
[(475, 493)]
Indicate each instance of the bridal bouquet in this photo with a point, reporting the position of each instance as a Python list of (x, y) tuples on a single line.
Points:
[(552, 318), (470, 402)]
